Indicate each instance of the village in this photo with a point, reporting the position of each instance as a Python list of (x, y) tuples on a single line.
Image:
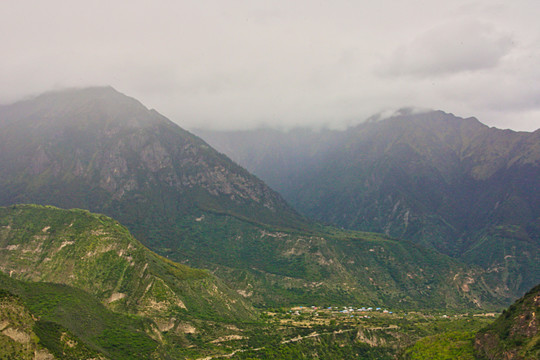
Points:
[(350, 311), (352, 315)]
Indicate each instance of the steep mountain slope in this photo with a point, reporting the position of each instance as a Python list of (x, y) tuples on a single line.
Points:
[(53, 321), (276, 267), (116, 286), (516, 333), (17, 338), (469, 191), (95, 292), (513, 335), (100, 150)]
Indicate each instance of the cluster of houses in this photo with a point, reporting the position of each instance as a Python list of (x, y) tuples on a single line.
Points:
[(349, 310), (342, 310)]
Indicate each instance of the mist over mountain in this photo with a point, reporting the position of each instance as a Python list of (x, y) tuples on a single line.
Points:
[(100, 150), (470, 191)]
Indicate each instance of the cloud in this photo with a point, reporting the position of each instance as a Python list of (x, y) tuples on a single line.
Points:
[(244, 64), (453, 47)]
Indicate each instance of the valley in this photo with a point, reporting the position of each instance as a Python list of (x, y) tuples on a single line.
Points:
[(124, 236)]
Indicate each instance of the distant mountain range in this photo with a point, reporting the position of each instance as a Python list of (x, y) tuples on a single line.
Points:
[(100, 150), (453, 184)]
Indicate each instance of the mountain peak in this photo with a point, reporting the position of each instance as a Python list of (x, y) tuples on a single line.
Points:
[(92, 107), (110, 145), (86, 92), (392, 113)]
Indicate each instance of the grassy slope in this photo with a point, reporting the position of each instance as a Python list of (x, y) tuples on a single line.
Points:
[(178, 306), (513, 335), (446, 346)]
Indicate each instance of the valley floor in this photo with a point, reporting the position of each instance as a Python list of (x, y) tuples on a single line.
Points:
[(349, 333)]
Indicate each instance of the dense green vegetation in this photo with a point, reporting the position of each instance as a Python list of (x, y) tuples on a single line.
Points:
[(513, 335), (307, 333), (516, 333), (23, 336), (73, 325), (325, 347), (41, 243), (95, 255), (17, 340), (61, 307), (98, 255), (447, 346), (273, 266)]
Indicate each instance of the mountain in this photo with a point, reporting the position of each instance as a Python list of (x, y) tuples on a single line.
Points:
[(17, 338), (454, 184), (515, 334), (100, 150), (112, 275)]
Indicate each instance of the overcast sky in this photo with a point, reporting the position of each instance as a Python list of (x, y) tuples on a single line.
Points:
[(243, 64)]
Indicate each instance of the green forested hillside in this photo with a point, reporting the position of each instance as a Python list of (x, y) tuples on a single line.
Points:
[(513, 335), (273, 266), (18, 339), (69, 323), (110, 277), (95, 253)]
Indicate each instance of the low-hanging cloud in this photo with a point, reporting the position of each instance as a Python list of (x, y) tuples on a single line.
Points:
[(244, 64), (453, 47)]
